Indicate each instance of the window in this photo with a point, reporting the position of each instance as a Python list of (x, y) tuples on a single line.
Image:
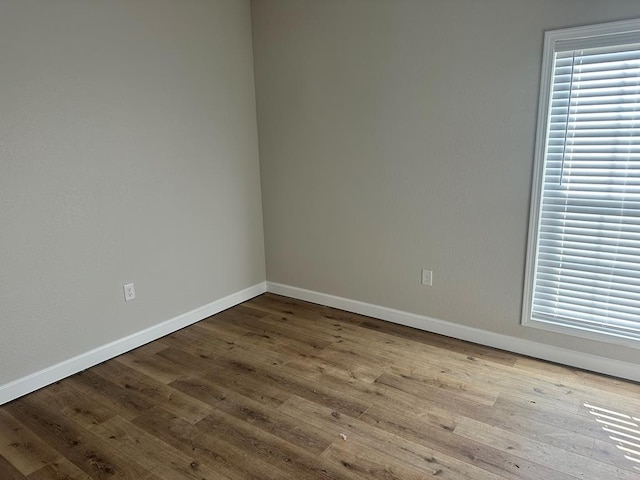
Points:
[(583, 259)]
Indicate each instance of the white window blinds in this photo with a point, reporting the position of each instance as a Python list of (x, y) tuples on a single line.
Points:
[(586, 272)]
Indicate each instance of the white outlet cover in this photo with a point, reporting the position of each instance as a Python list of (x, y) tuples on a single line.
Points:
[(427, 277), (129, 292)]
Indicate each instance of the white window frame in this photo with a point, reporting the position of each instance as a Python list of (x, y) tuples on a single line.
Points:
[(550, 39)]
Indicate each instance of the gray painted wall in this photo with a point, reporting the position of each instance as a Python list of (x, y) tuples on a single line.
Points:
[(128, 153), (396, 135)]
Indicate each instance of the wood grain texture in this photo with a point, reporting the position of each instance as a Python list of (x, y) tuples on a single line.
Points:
[(278, 388)]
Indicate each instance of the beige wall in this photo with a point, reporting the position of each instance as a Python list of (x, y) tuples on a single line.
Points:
[(128, 152), (398, 134)]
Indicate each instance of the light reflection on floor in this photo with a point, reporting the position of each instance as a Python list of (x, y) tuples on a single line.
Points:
[(623, 429)]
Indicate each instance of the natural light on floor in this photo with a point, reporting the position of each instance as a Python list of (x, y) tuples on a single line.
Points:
[(622, 428)]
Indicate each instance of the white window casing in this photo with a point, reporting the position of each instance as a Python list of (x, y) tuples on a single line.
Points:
[(583, 256)]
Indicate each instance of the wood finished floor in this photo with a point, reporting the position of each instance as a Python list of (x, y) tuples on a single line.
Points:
[(276, 388)]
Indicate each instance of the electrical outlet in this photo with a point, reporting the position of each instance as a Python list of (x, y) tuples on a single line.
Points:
[(129, 292), (427, 277)]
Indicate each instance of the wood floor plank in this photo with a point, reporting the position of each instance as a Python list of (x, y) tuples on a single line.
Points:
[(441, 341), (237, 381), (9, 472), (477, 453), (420, 402), (186, 363), (422, 458), (560, 460), (381, 395), (278, 343), (61, 469), (317, 367), (352, 358), (136, 445), (278, 388), (125, 401), (290, 306), (197, 341), (292, 384), (257, 414), (226, 332), (205, 446), (560, 429), (75, 404), (26, 451), (620, 404), (280, 332), (540, 413), (327, 330), (554, 372), (185, 406), (610, 453), (152, 365), (374, 464), (440, 388), (503, 380), (80, 447), (226, 324), (247, 346), (292, 460)]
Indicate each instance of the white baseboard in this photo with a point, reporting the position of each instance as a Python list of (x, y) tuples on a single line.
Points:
[(42, 378), (586, 361), (51, 374)]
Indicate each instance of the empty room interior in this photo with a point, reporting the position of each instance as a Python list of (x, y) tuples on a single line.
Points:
[(332, 239)]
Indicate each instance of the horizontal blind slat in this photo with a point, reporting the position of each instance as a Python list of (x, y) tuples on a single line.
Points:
[(601, 272)]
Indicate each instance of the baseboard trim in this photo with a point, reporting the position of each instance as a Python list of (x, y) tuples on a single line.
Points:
[(49, 375), (586, 361)]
